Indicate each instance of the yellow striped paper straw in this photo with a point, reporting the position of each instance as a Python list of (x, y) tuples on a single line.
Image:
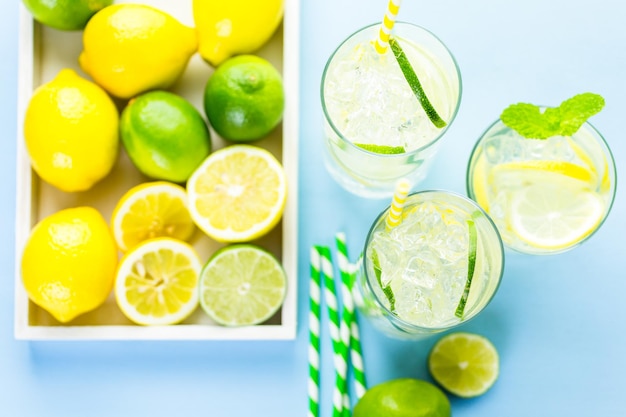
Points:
[(382, 43), (394, 216)]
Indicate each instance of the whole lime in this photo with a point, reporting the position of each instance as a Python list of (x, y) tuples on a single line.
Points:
[(404, 397), (244, 98), (65, 14), (164, 135)]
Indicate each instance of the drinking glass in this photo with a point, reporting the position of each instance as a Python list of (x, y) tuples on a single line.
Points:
[(413, 277), (545, 196), (376, 130)]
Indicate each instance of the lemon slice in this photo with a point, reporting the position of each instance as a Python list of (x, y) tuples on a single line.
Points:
[(242, 285), (157, 282), (151, 210), (465, 364), (237, 194), (555, 215), (541, 167)]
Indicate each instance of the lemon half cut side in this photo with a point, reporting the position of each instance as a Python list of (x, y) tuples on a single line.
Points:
[(157, 282)]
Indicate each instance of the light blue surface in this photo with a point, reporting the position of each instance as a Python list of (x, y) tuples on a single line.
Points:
[(558, 322)]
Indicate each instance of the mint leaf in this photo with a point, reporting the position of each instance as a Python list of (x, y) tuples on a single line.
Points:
[(576, 110), (564, 120)]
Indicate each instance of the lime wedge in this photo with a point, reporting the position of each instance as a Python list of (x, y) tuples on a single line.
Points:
[(471, 265), (465, 364), (414, 83), (382, 149), (242, 285)]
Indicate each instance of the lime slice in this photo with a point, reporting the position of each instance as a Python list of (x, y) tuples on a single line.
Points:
[(381, 149), (471, 265), (157, 282), (151, 210), (465, 364), (238, 193), (554, 216), (242, 285), (414, 83)]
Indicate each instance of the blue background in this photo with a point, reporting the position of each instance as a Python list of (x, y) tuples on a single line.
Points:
[(558, 322)]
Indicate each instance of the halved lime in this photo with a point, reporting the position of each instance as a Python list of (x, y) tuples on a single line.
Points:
[(465, 364), (242, 285)]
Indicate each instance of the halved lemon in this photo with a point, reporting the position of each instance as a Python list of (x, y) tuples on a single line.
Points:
[(157, 282), (151, 210), (242, 285), (555, 216), (237, 194)]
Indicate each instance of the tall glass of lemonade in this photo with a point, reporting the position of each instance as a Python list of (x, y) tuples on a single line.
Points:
[(376, 129), (549, 194), (439, 267)]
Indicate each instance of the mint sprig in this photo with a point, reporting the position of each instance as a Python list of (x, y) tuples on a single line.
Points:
[(564, 120)]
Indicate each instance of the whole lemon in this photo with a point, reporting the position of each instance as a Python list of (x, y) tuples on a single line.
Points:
[(65, 14), (71, 132), (404, 397), (69, 262), (164, 135), (244, 98), (228, 28), (132, 48)]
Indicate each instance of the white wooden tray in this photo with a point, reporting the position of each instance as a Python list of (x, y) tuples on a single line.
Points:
[(43, 52)]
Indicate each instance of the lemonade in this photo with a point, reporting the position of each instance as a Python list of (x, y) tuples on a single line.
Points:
[(545, 196), (376, 129), (438, 268)]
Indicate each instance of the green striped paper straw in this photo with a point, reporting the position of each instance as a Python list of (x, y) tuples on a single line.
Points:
[(340, 357), (314, 335), (347, 278)]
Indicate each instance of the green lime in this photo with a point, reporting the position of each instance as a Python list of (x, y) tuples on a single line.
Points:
[(65, 14), (382, 149), (244, 98), (404, 397), (164, 135), (465, 364), (242, 285)]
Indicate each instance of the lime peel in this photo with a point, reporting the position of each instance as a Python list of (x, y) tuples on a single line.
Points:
[(414, 83)]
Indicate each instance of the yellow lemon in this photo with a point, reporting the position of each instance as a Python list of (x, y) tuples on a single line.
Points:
[(237, 194), (69, 262), (132, 48), (228, 28), (150, 210), (157, 282), (71, 132)]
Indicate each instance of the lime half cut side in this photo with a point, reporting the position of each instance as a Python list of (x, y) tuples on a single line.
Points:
[(555, 216), (465, 364), (242, 285)]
